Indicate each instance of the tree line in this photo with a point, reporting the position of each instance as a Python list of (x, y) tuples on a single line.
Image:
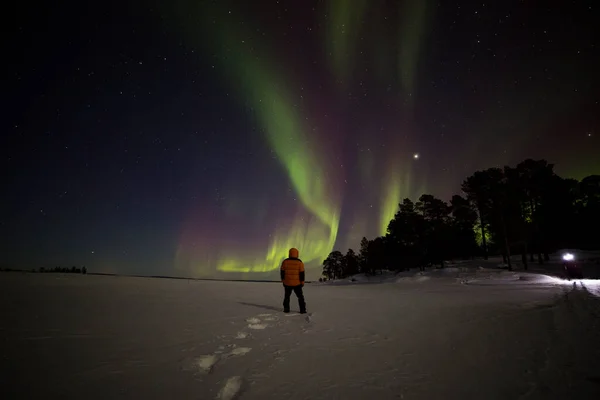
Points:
[(527, 210), (65, 270)]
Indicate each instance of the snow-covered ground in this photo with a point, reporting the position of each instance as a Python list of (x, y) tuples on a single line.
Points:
[(466, 332)]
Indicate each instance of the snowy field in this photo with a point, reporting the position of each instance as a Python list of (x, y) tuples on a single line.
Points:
[(467, 332)]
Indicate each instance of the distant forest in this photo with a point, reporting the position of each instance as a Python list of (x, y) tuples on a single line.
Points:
[(63, 270), (527, 210)]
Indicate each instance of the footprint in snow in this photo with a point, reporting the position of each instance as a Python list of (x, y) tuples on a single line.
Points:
[(242, 335), (231, 388), (257, 326), (239, 351), (206, 363), (293, 314), (264, 315), (253, 320)]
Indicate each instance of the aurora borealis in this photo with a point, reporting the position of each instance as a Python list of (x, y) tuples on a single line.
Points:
[(206, 138)]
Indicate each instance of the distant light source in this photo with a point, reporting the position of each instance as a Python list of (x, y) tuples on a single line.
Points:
[(568, 257), (416, 156)]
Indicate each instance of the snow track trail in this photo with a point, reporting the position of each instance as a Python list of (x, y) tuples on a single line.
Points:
[(575, 324), (232, 386)]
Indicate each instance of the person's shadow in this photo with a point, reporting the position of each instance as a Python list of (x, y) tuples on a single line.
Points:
[(270, 308)]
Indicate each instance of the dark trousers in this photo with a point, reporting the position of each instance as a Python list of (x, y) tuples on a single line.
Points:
[(288, 292)]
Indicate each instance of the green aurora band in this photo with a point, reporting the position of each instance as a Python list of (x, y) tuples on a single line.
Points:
[(262, 88), (411, 30), (390, 199), (350, 22), (259, 84), (346, 25)]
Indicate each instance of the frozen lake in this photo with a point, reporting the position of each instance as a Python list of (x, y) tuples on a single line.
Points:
[(428, 336)]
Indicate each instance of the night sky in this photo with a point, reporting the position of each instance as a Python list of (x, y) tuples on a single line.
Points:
[(205, 138)]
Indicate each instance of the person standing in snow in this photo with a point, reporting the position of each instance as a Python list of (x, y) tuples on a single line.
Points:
[(292, 277)]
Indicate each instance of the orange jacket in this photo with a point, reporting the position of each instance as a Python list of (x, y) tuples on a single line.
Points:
[(292, 269)]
